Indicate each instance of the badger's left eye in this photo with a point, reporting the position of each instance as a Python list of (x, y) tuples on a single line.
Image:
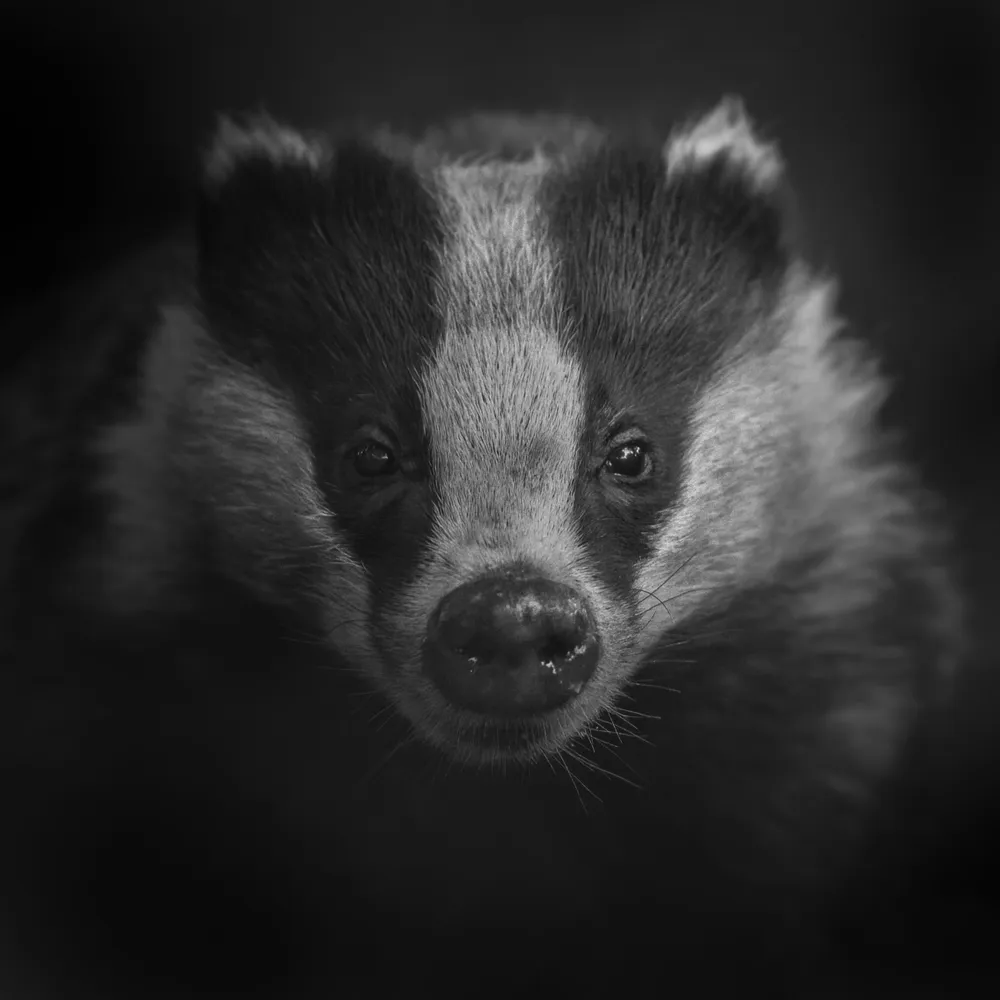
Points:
[(630, 462), (373, 459)]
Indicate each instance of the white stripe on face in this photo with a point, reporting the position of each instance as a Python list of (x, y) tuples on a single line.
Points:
[(503, 401)]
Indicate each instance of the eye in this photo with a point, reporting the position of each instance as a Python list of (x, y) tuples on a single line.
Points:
[(630, 462), (373, 459)]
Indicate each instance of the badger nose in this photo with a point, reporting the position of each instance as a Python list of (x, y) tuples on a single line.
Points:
[(505, 646)]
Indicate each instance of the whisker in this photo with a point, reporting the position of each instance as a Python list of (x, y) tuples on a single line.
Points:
[(677, 570), (614, 752), (627, 714), (578, 783), (663, 602), (595, 767), (345, 622), (383, 716), (660, 687), (614, 728), (628, 728), (370, 774)]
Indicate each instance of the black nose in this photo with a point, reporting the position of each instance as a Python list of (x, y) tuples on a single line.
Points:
[(510, 646)]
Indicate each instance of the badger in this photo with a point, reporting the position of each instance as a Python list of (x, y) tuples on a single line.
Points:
[(520, 492)]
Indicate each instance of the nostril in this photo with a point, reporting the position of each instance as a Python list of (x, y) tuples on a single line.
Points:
[(511, 646)]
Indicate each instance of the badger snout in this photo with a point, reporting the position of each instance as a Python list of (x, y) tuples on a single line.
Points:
[(511, 647)]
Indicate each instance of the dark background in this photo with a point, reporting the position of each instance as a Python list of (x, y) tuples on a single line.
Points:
[(886, 112)]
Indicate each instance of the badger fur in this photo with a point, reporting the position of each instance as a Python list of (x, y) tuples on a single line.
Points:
[(551, 440)]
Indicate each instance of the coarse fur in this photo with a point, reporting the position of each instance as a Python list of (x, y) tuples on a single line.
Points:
[(499, 304)]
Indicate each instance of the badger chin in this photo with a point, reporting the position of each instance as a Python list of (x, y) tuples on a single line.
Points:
[(494, 740)]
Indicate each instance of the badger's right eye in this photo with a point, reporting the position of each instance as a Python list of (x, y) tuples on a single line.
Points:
[(373, 459)]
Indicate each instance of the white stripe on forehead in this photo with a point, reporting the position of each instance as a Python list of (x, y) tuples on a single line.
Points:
[(497, 257), (503, 402)]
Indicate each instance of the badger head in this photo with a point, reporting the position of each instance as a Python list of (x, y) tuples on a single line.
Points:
[(507, 406)]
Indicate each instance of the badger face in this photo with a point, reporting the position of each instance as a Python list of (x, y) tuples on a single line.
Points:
[(506, 422)]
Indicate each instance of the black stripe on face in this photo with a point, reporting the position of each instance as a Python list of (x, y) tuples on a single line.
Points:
[(658, 279), (324, 282)]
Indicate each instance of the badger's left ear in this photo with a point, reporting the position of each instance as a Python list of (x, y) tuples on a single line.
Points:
[(734, 182), (262, 186), (725, 137)]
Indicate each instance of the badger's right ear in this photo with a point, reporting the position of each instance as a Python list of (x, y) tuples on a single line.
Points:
[(262, 187), (259, 139)]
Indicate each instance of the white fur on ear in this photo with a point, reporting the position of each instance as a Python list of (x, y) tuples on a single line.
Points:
[(259, 136), (728, 132)]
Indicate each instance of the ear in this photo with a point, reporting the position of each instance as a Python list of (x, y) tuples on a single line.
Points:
[(734, 182), (725, 136), (259, 138), (263, 186)]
